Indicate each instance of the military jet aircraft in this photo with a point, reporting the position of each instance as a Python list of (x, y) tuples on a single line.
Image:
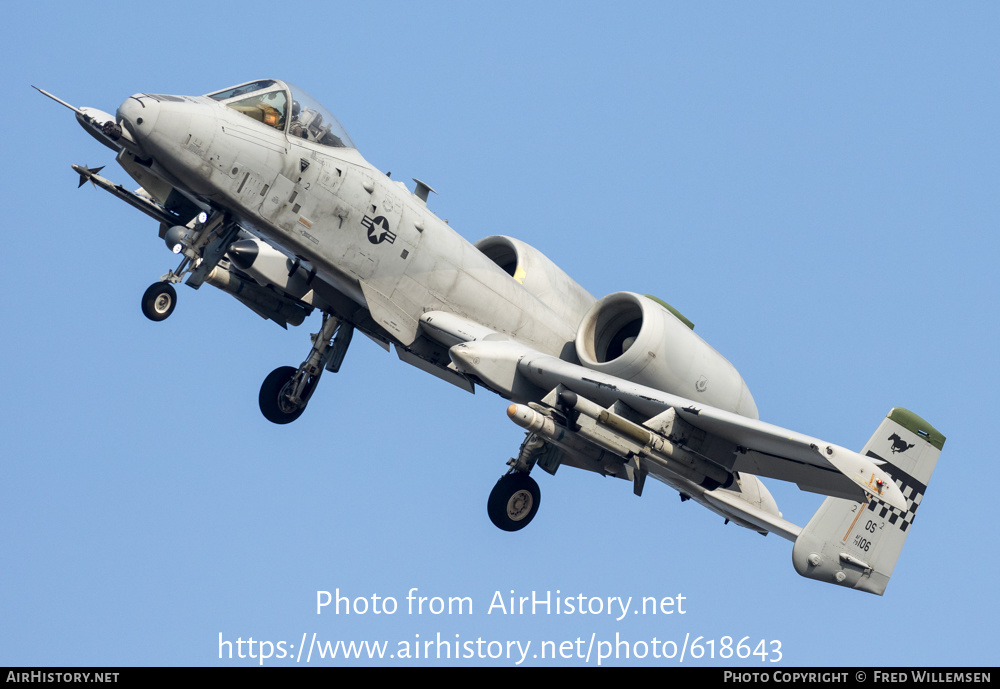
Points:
[(261, 193)]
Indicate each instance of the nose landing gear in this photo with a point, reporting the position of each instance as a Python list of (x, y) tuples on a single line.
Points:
[(203, 243), (158, 301)]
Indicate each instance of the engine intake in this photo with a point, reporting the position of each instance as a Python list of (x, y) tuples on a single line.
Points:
[(635, 338), (539, 275)]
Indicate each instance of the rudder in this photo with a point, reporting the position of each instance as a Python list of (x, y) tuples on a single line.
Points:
[(856, 544)]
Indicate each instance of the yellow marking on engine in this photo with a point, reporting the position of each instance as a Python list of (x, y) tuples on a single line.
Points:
[(520, 274)]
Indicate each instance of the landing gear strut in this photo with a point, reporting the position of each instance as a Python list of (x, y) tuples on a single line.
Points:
[(515, 498), (286, 390)]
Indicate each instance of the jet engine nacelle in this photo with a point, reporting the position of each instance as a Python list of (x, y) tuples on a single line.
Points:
[(542, 278), (633, 337)]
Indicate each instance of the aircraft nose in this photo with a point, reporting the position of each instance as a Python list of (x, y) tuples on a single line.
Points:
[(137, 115)]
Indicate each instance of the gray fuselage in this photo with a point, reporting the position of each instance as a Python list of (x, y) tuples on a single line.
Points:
[(365, 235)]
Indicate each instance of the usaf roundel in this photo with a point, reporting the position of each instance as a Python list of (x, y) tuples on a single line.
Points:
[(378, 230)]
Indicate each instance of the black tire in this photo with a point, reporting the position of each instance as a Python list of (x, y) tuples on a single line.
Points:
[(158, 301), (270, 396), (514, 501)]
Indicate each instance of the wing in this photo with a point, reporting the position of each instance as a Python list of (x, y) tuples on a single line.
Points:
[(699, 443)]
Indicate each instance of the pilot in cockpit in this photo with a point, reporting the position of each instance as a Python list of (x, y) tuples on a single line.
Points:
[(301, 121), (268, 108)]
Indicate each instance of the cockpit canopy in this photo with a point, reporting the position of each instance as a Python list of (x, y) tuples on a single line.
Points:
[(287, 108)]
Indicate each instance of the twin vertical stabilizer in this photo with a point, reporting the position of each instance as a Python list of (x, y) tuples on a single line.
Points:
[(856, 544)]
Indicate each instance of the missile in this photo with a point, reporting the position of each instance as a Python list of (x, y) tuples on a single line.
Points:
[(543, 426), (870, 478), (620, 436), (530, 420), (645, 437), (138, 202)]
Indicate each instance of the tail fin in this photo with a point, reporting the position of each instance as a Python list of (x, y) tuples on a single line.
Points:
[(856, 544)]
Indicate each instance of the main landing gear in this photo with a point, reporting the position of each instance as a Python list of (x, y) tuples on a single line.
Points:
[(513, 501), (515, 498), (286, 390)]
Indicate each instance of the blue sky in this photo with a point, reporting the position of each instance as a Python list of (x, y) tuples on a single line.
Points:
[(814, 186)]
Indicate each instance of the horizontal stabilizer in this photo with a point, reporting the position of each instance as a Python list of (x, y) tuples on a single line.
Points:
[(867, 476)]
